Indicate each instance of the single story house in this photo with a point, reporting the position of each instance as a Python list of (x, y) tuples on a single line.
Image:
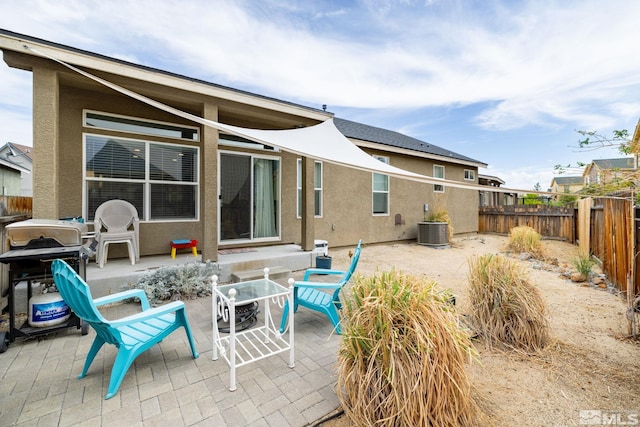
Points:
[(188, 180)]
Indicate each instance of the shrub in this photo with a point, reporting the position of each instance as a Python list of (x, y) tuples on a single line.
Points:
[(526, 239), (584, 264), (177, 282), (505, 307), (402, 356)]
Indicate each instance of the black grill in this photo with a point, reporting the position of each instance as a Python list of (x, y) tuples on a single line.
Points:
[(31, 247)]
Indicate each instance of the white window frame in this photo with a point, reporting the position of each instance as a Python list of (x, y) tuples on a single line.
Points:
[(385, 160), (146, 182), (252, 156), (140, 122), (317, 189), (469, 175), (438, 188), (237, 142)]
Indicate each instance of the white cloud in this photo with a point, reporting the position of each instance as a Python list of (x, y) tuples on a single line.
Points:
[(536, 62)]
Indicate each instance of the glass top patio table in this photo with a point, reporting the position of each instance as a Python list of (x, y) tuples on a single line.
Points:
[(252, 290)]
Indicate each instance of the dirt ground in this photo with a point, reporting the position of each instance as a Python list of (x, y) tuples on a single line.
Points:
[(589, 374)]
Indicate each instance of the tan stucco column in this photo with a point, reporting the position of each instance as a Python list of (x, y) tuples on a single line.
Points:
[(308, 210), (209, 186), (45, 143)]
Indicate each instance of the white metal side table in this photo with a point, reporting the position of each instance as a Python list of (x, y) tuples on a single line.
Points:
[(242, 348)]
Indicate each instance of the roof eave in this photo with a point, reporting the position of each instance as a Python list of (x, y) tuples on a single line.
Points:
[(18, 42), (414, 153)]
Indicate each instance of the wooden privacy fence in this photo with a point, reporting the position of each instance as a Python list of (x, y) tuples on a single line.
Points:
[(605, 228), (550, 221), (15, 205), (612, 239)]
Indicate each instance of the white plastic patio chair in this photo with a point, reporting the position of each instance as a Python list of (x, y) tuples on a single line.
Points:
[(116, 221)]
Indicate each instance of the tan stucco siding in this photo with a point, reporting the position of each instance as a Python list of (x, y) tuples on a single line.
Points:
[(155, 236), (347, 195), (45, 143)]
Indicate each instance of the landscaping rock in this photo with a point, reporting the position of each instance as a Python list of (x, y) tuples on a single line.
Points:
[(578, 277)]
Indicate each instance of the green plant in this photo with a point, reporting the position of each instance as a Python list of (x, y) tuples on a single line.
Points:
[(402, 356), (584, 264), (178, 282), (526, 239), (505, 307)]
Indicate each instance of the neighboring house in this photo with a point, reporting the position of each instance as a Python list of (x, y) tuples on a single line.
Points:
[(187, 180), (608, 171), (494, 198), (566, 184), (20, 155)]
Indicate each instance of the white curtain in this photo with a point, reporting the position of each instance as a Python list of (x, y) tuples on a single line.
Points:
[(264, 224)]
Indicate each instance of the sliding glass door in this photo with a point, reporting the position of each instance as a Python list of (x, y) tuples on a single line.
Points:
[(249, 197)]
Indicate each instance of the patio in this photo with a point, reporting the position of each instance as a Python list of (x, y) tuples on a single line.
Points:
[(165, 386)]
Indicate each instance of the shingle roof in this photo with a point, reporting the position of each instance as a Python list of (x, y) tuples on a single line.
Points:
[(568, 180), (23, 149), (394, 139), (620, 163)]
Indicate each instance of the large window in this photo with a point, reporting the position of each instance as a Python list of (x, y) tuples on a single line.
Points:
[(380, 190), (317, 189), (159, 179), (438, 172)]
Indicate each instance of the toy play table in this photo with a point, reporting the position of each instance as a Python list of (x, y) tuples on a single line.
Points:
[(251, 345), (182, 244)]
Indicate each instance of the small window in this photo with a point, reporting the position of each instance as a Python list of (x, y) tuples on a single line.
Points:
[(438, 172), (317, 189), (239, 142), (380, 190), (469, 175), (138, 126)]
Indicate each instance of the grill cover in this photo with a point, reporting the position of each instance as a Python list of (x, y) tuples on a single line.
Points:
[(67, 233)]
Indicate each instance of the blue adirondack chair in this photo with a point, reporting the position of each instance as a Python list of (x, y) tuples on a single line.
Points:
[(132, 335), (313, 295)]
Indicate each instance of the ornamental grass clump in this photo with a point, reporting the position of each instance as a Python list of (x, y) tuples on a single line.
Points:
[(402, 357), (526, 239), (505, 308), (584, 264)]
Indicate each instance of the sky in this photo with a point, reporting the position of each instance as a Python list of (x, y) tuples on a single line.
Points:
[(507, 83)]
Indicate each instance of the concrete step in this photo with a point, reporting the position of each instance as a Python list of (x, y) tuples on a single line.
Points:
[(276, 272)]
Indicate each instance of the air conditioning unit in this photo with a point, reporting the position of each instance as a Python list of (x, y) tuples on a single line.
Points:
[(433, 233)]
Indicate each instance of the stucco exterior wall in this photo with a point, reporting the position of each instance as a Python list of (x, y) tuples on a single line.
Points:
[(154, 236), (348, 204)]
